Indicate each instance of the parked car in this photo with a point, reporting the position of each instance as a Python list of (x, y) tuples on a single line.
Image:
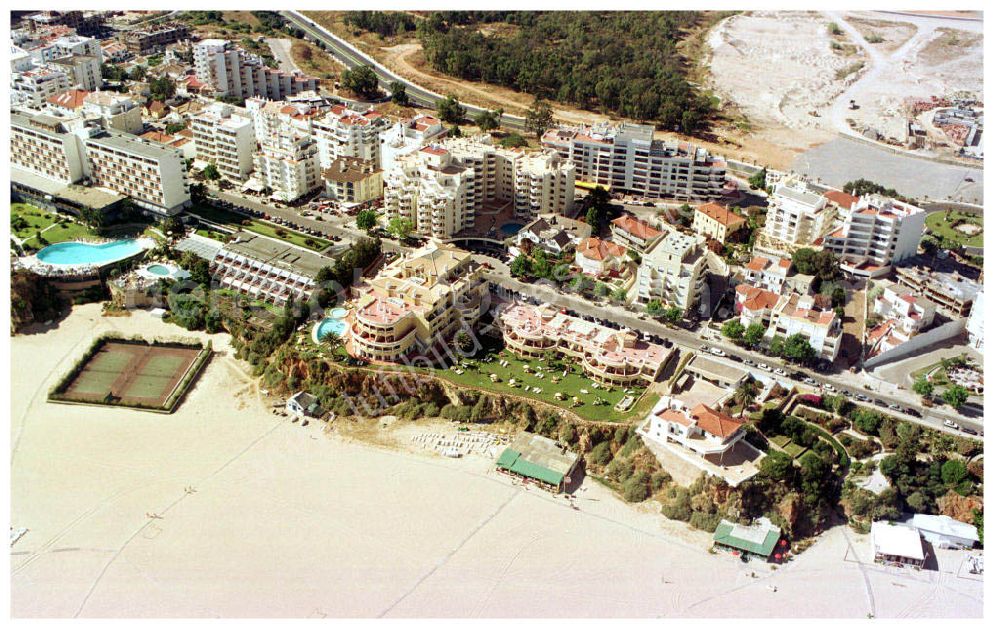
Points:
[(896, 407), (950, 424), (879, 402), (970, 431), (861, 397), (811, 381), (763, 366), (719, 352), (913, 412), (780, 371), (703, 347)]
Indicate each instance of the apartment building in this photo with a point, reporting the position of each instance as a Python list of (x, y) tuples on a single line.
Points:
[(715, 221), (952, 292), (406, 137), (32, 87), (84, 70), (416, 305), (626, 158), (287, 161), (632, 233), (154, 39), (150, 174), (796, 314), (343, 132), (267, 269), (43, 145), (225, 139), (116, 111), (754, 304), (796, 218), (353, 181), (232, 72), (442, 186), (596, 257), (878, 232), (611, 357), (902, 316), (675, 271), (975, 326)]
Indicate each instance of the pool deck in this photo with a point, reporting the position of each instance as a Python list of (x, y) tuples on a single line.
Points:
[(33, 263)]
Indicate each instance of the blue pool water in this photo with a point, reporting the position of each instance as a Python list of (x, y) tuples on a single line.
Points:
[(511, 228), (74, 253), (159, 270), (332, 324)]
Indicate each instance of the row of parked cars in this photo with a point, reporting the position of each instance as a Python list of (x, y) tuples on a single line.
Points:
[(277, 220)]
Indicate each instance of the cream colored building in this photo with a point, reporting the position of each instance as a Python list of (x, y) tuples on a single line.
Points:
[(879, 231), (442, 186), (715, 221), (415, 306), (233, 72), (84, 70), (42, 145), (353, 181), (150, 174), (674, 271), (225, 139), (343, 132), (116, 111), (796, 218), (287, 161)]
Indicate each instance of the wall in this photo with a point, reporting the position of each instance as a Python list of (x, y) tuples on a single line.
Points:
[(924, 340)]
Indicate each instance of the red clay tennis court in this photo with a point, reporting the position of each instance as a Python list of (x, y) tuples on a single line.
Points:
[(132, 373)]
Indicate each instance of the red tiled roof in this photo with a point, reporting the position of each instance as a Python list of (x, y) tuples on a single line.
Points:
[(597, 249), (756, 298), (715, 422), (757, 263), (636, 227), (69, 99), (841, 199), (720, 214)]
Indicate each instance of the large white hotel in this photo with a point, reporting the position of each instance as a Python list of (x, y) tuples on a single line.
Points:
[(626, 158)]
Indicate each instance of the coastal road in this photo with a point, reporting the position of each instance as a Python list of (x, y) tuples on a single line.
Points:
[(845, 383), (352, 57)]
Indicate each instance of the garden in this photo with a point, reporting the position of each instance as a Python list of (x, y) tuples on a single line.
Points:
[(38, 228), (964, 228)]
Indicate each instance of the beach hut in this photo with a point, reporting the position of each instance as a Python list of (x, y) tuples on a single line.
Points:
[(757, 540), (897, 545)]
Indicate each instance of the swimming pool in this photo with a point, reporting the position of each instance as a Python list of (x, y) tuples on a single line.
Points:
[(159, 270), (333, 324), (511, 228), (76, 253)]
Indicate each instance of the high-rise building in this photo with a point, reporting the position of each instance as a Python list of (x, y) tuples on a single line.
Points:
[(287, 161), (225, 139), (43, 145), (878, 232), (233, 72), (343, 132), (674, 271), (626, 158), (150, 174), (796, 218)]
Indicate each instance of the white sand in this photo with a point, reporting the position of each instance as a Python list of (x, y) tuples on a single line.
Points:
[(286, 521)]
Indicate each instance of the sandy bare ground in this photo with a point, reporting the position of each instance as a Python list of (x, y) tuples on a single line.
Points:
[(225, 510), (779, 70)]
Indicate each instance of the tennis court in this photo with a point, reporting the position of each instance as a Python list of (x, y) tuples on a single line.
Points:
[(132, 373)]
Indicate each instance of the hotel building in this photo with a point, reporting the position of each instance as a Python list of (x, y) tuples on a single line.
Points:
[(674, 271), (609, 356), (418, 303), (233, 72), (627, 159), (150, 174), (43, 145), (877, 233), (225, 139), (267, 269)]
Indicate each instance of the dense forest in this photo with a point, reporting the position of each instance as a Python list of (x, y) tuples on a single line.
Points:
[(624, 63)]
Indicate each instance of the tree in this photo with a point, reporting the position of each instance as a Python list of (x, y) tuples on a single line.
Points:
[(860, 187), (463, 341), (449, 109), (400, 226), (367, 219), (93, 217), (923, 387), (955, 396), (777, 466), (162, 88), (332, 341), (673, 314), (361, 81), (797, 348), (520, 266), (513, 140), (953, 472), (654, 307), (753, 334), (777, 346), (211, 172), (454, 132), (733, 330), (488, 119), (867, 421), (539, 117), (745, 393), (758, 181), (601, 454), (138, 73), (398, 91)]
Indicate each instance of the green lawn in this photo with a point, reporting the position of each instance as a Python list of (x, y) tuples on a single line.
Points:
[(940, 224), (597, 404), (35, 220), (225, 217)]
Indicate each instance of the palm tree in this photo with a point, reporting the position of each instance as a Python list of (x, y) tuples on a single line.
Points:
[(463, 341), (332, 341), (746, 393)]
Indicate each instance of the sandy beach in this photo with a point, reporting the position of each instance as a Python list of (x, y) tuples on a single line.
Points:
[(223, 509)]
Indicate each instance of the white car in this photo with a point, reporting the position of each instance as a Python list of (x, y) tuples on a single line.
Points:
[(829, 388), (718, 351), (810, 381), (763, 366), (780, 371), (950, 424)]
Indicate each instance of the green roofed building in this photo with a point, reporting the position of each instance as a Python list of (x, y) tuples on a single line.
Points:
[(539, 459), (759, 539)]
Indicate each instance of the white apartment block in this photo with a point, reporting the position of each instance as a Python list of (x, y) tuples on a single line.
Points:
[(151, 174), (406, 137), (674, 271), (34, 86), (913, 313), (441, 186), (233, 72), (626, 158), (796, 218), (796, 314), (85, 70), (878, 233), (343, 132), (117, 111), (975, 326), (287, 161), (42, 145), (702, 431), (225, 139)]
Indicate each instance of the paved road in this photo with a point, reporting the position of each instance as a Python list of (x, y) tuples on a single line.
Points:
[(352, 57), (619, 316)]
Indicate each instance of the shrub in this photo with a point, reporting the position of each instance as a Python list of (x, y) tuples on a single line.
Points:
[(600, 454), (636, 487)]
